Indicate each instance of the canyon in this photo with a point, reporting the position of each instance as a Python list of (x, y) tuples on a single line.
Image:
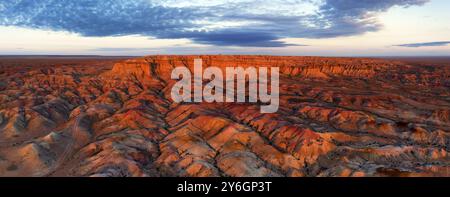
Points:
[(344, 117)]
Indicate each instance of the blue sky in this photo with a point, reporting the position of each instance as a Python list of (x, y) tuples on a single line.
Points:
[(277, 27)]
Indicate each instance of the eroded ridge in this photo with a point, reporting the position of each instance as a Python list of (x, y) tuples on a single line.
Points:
[(337, 117)]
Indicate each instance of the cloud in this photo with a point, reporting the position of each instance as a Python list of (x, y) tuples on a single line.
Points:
[(244, 23), (424, 44), (233, 37), (352, 17)]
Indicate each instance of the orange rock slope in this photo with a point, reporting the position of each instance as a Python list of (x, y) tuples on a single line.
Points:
[(337, 117)]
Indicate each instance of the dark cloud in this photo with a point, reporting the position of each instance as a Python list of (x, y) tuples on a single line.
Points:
[(232, 37), (144, 17), (424, 44)]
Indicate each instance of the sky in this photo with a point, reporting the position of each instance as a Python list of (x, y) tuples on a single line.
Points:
[(275, 27)]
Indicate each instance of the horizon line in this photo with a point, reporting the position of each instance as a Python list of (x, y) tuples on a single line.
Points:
[(77, 55)]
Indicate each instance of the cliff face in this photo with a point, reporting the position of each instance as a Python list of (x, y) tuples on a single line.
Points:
[(290, 66), (337, 117)]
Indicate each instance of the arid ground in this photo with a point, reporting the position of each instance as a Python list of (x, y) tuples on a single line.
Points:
[(105, 116)]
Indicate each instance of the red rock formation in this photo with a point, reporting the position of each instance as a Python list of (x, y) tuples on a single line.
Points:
[(337, 117)]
